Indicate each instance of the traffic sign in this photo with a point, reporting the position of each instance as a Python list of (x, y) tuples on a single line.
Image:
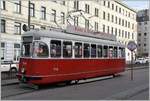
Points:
[(131, 45)]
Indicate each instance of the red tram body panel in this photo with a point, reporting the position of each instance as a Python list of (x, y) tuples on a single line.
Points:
[(56, 70)]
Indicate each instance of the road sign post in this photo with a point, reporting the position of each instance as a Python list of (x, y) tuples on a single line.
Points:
[(131, 46)]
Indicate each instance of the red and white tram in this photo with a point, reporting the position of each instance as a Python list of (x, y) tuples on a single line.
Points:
[(51, 56)]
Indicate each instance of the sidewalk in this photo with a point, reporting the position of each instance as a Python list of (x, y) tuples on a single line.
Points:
[(9, 82)]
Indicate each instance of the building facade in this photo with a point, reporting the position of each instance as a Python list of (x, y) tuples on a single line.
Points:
[(143, 32), (109, 16)]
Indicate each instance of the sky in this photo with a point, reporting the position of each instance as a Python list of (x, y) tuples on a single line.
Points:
[(137, 4)]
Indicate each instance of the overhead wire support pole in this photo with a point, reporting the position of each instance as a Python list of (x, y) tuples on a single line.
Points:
[(29, 18)]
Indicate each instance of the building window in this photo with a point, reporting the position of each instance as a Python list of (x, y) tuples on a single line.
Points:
[(31, 26), (104, 2), (108, 4), (125, 34), (96, 26), (112, 6), (139, 34), (112, 30), (128, 35), (119, 32), (2, 53), (116, 8), (139, 44), (43, 13), (132, 35), (17, 6), (103, 15), (43, 27), (145, 22), (76, 5), (53, 15), (116, 31), (116, 20), (132, 26), (87, 8), (128, 24), (145, 34), (62, 17), (108, 16), (122, 22), (75, 21), (104, 28), (122, 33), (3, 25), (119, 10), (145, 44), (139, 23), (3, 6), (16, 51), (17, 27), (129, 15), (107, 29), (62, 2), (112, 18), (86, 24), (96, 12), (119, 21), (32, 9)]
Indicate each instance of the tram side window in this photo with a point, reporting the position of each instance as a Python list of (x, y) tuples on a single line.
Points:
[(93, 50), (99, 51), (121, 52), (40, 49), (55, 48), (105, 53), (67, 49), (78, 49), (115, 52), (111, 51), (86, 50)]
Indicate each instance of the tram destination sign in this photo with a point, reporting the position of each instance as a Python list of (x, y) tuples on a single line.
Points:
[(132, 45)]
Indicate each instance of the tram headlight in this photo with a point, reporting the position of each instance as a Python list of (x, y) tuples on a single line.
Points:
[(23, 70)]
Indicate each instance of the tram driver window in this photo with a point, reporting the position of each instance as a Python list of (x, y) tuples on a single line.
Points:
[(40, 49), (93, 50), (67, 49), (78, 49), (105, 53), (55, 48), (86, 50)]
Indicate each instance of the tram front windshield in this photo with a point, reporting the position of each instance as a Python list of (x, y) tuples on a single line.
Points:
[(26, 49)]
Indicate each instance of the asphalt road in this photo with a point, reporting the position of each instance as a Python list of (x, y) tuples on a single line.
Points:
[(100, 89)]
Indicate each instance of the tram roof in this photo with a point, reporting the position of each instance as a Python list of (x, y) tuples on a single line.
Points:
[(70, 36)]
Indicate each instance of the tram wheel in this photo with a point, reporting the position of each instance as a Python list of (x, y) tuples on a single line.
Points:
[(68, 82), (76, 81)]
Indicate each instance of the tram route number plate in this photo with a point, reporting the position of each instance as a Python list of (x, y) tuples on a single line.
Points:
[(132, 45)]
